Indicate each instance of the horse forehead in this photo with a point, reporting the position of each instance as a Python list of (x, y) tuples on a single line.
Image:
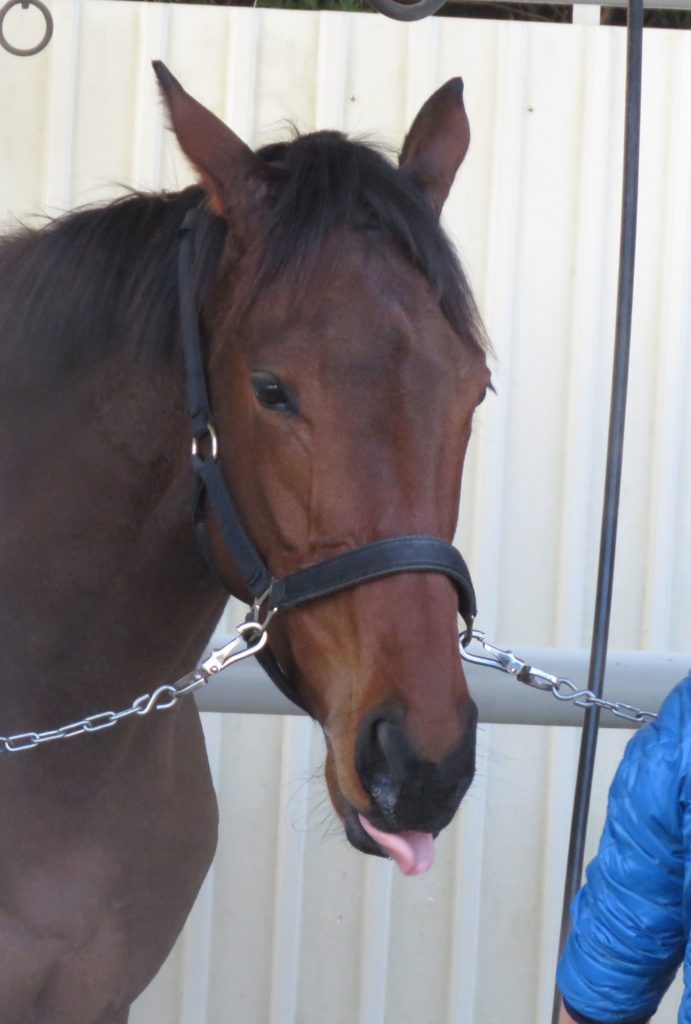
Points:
[(363, 276), (365, 306)]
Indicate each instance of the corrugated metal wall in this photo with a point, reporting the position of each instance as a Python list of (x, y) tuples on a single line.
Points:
[(293, 926)]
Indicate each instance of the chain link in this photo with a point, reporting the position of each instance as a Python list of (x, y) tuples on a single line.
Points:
[(250, 634), (561, 688)]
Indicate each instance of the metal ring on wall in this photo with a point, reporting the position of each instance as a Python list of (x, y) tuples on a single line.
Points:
[(25, 4), (415, 11)]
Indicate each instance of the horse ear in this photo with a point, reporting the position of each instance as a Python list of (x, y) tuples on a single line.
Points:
[(437, 142), (234, 177)]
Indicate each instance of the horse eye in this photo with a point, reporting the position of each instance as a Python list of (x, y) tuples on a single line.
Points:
[(272, 394)]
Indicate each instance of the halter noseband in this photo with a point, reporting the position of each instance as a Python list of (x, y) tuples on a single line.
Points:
[(416, 553)]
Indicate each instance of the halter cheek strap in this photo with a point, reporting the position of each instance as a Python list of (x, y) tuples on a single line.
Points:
[(416, 553)]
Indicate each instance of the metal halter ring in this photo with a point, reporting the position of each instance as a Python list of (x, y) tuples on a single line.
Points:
[(25, 4), (210, 431)]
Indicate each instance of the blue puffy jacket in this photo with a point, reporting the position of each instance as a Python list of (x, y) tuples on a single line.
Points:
[(631, 920)]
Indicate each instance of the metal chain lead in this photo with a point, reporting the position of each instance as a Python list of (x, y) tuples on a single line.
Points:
[(254, 636), (163, 697), (561, 688)]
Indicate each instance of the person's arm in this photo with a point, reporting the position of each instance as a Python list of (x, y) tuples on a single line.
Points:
[(565, 1017), (627, 934)]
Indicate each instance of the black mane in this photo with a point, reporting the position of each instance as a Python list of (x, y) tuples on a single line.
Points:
[(327, 181), (105, 277), (93, 281)]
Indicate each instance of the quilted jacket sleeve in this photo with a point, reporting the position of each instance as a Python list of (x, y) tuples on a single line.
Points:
[(627, 935)]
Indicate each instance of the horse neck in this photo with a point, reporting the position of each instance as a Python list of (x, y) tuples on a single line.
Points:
[(104, 594)]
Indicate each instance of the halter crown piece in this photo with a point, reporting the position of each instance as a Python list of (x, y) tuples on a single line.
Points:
[(416, 553)]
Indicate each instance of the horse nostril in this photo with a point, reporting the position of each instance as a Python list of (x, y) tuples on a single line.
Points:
[(407, 789), (391, 742), (385, 784), (382, 759)]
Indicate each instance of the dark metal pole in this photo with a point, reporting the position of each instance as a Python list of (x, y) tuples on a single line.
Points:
[(615, 446)]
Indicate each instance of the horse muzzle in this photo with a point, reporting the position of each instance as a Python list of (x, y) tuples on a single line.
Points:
[(412, 798)]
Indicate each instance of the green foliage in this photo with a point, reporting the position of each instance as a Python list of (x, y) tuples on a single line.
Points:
[(312, 5), (290, 5), (501, 10)]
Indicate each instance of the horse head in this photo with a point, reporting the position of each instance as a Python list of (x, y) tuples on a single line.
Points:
[(345, 360)]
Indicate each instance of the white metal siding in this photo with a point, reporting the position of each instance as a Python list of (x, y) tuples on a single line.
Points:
[(292, 926)]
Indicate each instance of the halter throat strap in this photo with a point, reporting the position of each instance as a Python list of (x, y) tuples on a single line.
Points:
[(393, 555)]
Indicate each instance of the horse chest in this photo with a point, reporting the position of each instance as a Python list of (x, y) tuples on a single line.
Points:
[(95, 891)]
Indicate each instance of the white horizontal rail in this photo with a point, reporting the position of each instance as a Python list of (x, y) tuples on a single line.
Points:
[(641, 678)]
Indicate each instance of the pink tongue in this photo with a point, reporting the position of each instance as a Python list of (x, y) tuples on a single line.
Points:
[(412, 851)]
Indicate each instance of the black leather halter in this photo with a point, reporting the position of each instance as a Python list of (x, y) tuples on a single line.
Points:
[(416, 553)]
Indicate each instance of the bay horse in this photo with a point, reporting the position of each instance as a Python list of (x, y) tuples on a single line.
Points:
[(344, 358)]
